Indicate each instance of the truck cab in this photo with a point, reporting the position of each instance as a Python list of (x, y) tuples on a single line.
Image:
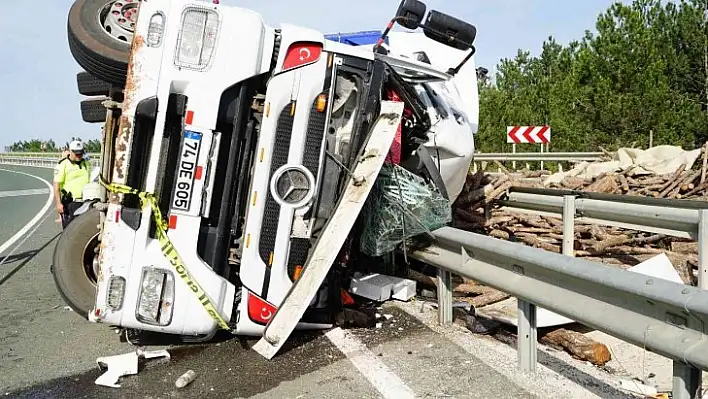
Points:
[(228, 152)]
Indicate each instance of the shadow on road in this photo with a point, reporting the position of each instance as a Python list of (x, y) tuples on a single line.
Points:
[(25, 257), (567, 370), (224, 369)]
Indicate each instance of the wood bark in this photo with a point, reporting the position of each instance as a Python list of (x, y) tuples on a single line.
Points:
[(579, 345)]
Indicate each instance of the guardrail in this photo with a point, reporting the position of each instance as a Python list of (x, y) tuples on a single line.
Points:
[(41, 162), (667, 318), (527, 157), (42, 154), (539, 156)]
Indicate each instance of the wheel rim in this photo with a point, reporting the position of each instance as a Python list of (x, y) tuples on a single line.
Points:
[(90, 260), (118, 19)]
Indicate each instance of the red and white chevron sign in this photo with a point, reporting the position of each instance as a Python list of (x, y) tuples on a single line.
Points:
[(528, 134)]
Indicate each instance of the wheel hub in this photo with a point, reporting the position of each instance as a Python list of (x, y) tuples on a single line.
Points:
[(119, 18), (90, 260)]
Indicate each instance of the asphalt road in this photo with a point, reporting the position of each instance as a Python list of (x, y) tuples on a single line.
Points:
[(47, 351)]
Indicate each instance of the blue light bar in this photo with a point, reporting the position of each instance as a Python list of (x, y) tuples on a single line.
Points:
[(362, 38)]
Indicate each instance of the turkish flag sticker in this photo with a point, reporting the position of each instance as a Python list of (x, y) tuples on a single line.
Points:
[(259, 310)]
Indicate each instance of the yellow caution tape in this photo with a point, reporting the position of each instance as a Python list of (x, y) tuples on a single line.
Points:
[(149, 200)]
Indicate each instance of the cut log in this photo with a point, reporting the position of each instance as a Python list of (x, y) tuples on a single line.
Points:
[(673, 180), (478, 194), (684, 247), (624, 183), (627, 250), (532, 239), (533, 221), (498, 191), (458, 284), (488, 298), (610, 241), (470, 217), (572, 183), (496, 220), (501, 234), (579, 345), (606, 184), (535, 230)]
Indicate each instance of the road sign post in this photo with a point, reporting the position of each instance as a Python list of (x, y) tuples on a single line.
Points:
[(528, 135)]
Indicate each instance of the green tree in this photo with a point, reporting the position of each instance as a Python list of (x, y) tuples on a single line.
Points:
[(645, 69)]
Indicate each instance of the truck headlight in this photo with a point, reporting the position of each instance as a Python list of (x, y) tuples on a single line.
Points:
[(156, 298), (197, 38)]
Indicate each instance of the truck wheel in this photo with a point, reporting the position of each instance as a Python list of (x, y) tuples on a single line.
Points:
[(100, 33), (93, 111), (75, 266), (90, 85)]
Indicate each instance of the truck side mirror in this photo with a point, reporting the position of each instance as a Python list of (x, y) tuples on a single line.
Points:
[(449, 30), (410, 13)]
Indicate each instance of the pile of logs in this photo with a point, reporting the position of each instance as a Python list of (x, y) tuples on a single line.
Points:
[(614, 246), (621, 247)]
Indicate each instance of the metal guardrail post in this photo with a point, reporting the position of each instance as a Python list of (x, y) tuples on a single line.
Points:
[(444, 296), (527, 328), (569, 225), (527, 337), (687, 380)]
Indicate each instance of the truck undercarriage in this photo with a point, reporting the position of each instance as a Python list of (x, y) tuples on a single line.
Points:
[(244, 150)]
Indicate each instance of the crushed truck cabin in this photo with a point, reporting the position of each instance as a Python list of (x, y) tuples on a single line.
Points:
[(232, 150)]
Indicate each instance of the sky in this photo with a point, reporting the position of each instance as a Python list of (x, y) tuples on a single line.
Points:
[(39, 97)]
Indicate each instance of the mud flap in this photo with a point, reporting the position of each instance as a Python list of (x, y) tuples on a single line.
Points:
[(335, 232)]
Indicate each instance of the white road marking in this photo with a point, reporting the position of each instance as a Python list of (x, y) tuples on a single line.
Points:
[(21, 193), (379, 375), (572, 381), (34, 220), (2, 262)]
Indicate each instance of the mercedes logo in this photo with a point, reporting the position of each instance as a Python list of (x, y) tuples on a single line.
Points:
[(292, 185)]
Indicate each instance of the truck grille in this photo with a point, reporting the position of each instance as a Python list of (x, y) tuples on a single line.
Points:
[(300, 247), (271, 213)]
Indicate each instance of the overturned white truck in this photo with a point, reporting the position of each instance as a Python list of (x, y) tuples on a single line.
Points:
[(227, 147)]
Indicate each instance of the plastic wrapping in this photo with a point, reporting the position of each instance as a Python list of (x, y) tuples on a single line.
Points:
[(401, 206)]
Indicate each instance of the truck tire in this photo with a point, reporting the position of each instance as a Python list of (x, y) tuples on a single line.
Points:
[(93, 111), (101, 53), (73, 268), (90, 85)]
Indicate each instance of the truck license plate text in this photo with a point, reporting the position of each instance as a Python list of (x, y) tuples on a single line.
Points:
[(189, 155)]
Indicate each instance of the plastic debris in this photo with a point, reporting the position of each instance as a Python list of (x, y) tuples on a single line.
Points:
[(379, 287), (402, 289), (122, 365), (376, 287), (185, 379), (401, 206), (637, 387)]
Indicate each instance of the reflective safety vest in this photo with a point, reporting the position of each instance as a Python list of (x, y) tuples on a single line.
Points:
[(72, 176)]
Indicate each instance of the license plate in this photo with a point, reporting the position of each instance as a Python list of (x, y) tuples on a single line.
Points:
[(184, 185)]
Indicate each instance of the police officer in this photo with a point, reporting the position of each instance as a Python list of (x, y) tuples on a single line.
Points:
[(71, 174)]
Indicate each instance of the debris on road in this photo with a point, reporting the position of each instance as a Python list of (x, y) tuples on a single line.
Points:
[(579, 345), (380, 288), (356, 317), (487, 319), (376, 287), (186, 379), (122, 365), (637, 387)]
